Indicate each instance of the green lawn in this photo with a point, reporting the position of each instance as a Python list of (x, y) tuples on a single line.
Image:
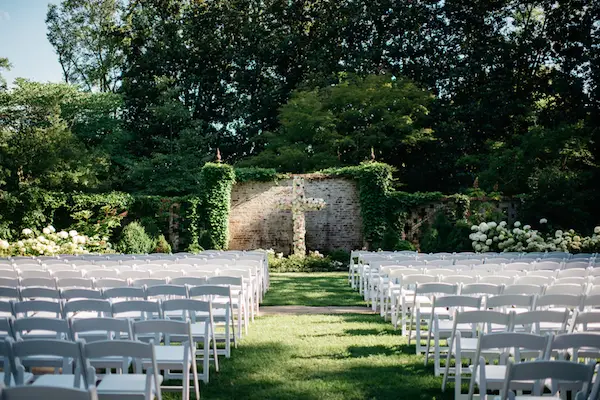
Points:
[(311, 289), (349, 356)]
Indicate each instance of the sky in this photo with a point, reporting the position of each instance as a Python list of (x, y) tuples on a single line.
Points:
[(23, 41)]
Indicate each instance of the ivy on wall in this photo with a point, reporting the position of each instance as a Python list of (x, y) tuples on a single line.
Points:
[(217, 181)]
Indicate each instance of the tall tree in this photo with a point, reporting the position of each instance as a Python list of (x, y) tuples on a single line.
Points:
[(4, 64), (85, 35)]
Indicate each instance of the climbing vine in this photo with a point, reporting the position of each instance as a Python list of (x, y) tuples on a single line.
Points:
[(217, 181)]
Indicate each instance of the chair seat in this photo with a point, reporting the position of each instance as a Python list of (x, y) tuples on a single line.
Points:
[(124, 384), (494, 376), (63, 381), (198, 330), (168, 357)]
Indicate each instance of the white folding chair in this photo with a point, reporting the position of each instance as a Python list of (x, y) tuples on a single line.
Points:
[(40, 292), (67, 273), (199, 314), (48, 392), (80, 293), (576, 264), (172, 357), (402, 295), (547, 265), (188, 281), (441, 326), (39, 282), (541, 371), (511, 302), (239, 299), (524, 288), (481, 289), (133, 274), (116, 294), (566, 288), (99, 329), (49, 353), (422, 308), (121, 386), (460, 347), (222, 310), (41, 328), (137, 310), (37, 308), (572, 273), (490, 376), (586, 321), (541, 321), (74, 283), (87, 308), (7, 376), (35, 273)]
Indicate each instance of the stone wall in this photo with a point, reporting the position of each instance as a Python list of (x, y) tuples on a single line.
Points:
[(257, 222)]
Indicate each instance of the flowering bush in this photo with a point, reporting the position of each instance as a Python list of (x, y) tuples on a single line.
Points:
[(50, 243), (499, 237)]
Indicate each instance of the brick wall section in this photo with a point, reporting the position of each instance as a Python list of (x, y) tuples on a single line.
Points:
[(257, 222)]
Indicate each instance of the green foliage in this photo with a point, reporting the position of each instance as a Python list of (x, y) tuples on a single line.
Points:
[(84, 35), (375, 183), (135, 240), (310, 263), (445, 234), (341, 124), (256, 174), (161, 245), (217, 181), (339, 255)]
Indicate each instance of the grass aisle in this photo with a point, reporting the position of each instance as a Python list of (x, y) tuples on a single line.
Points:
[(347, 356)]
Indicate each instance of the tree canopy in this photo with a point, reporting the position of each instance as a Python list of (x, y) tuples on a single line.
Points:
[(504, 92)]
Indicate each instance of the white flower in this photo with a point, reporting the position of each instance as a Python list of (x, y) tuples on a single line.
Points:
[(558, 233), (27, 232), (4, 244), (597, 230), (502, 224), (73, 233), (488, 242), (492, 225), (516, 231), (81, 239), (52, 230), (543, 221), (474, 228), (474, 244), (527, 227), (46, 231), (478, 247), (63, 234), (517, 224), (483, 227)]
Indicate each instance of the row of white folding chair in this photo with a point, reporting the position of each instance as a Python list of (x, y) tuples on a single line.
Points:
[(89, 319), (468, 325), (571, 376), (542, 314), (236, 297), (401, 296), (152, 357), (403, 278), (48, 392)]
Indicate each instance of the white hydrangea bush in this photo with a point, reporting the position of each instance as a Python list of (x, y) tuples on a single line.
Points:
[(50, 242), (501, 237)]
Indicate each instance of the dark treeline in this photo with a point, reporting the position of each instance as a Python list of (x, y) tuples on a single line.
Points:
[(505, 92)]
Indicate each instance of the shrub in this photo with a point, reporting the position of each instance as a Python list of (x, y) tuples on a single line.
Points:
[(135, 240), (445, 235), (340, 255), (161, 245), (314, 262)]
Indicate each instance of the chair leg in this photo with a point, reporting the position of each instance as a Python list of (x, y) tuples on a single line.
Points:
[(195, 375), (215, 349)]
